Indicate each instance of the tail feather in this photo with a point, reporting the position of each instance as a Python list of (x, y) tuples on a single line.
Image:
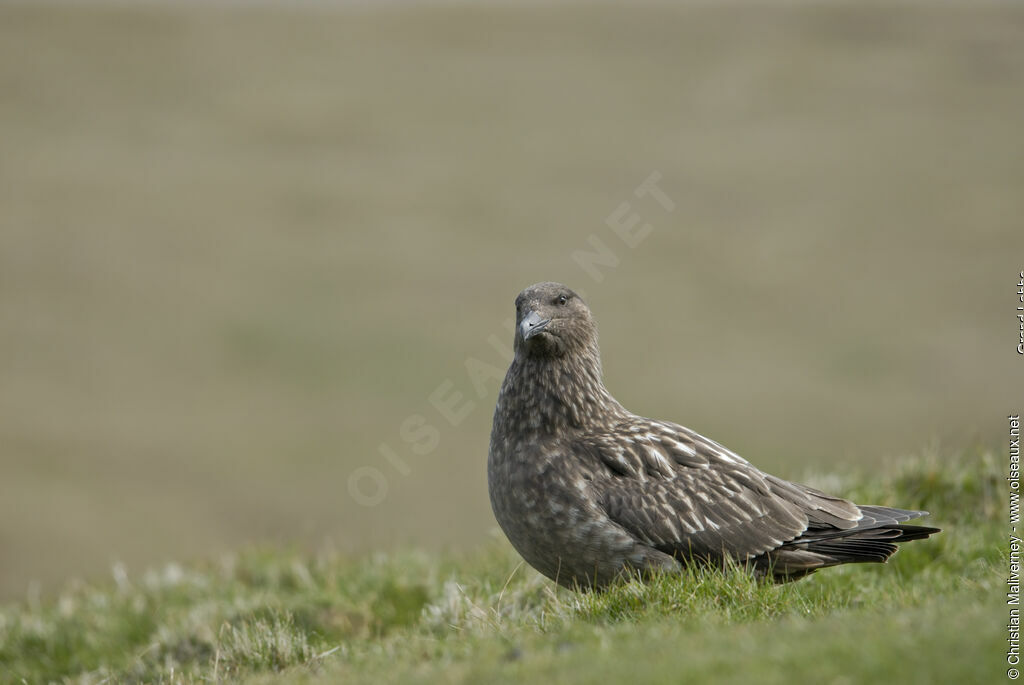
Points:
[(852, 551), (874, 515), (908, 532), (872, 540)]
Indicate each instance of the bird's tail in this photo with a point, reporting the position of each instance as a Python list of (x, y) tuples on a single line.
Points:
[(873, 540)]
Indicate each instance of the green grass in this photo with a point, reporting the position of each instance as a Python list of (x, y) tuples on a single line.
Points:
[(930, 615)]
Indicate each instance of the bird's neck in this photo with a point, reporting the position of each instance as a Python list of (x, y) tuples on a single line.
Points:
[(548, 395)]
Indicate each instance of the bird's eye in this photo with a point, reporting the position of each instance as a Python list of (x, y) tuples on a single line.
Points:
[(562, 299)]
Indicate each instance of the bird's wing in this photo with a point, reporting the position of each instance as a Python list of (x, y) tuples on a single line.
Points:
[(681, 493)]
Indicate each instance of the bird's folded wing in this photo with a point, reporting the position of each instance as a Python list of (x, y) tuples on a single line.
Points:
[(708, 519), (681, 493)]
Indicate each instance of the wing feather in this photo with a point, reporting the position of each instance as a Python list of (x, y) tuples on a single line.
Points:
[(683, 494)]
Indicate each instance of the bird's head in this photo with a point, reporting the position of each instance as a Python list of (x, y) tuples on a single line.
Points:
[(553, 321)]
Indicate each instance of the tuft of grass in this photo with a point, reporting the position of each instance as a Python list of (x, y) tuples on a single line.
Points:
[(261, 644), (732, 595), (267, 615)]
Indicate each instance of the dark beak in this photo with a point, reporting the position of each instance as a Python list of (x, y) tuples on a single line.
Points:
[(531, 325)]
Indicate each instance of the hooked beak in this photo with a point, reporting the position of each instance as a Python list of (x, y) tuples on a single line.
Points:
[(531, 325)]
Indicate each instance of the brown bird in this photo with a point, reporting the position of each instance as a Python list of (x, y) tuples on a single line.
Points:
[(588, 492)]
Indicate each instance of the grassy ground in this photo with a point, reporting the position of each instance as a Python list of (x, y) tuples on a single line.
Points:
[(930, 615)]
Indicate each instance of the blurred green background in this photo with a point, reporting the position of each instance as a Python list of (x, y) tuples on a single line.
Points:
[(239, 247)]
